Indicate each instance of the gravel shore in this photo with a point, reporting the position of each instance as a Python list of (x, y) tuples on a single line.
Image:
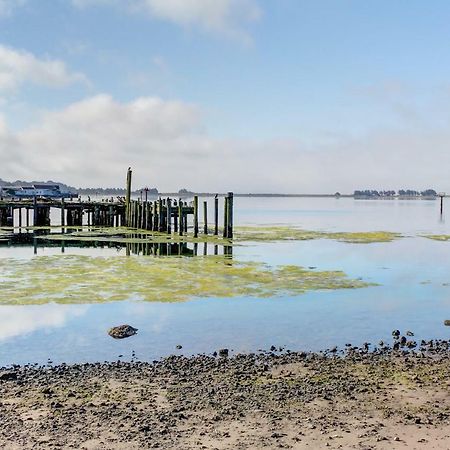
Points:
[(358, 398)]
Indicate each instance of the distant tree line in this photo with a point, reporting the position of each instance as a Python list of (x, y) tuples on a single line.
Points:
[(371, 193)]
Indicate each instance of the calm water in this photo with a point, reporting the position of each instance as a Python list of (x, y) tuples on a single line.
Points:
[(413, 293)]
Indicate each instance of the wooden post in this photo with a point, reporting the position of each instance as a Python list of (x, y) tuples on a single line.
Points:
[(161, 216), (63, 219), (169, 215), (195, 216), (442, 204), (230, 216), (205, 217), (225, 218), (180, 217), (111, 216), (175, 217), (216, 215), (20, 219), (128, 196), (35, 212), (27, 217)]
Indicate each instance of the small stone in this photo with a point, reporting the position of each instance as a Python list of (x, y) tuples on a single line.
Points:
[(409, 333), (179, 347), (122, 331), (396, 333), (223, 352), (7, 376)]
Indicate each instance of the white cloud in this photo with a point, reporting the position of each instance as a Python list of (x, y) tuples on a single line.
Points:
[(7, 6), (227, 17), (92, 142), (18, 67)]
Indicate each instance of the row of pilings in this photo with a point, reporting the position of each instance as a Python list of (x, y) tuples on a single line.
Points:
[(167, 215)]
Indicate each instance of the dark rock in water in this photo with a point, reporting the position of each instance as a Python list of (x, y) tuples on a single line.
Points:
[(122, 331), (179, 347), (7, 376), (396, 333), (273, 348), (409, 333), (447, 323), (402, 340), (223, 352), (411, 344)]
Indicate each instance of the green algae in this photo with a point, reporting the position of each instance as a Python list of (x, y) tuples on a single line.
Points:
[(437, 237), (286, 233), (84, 279)]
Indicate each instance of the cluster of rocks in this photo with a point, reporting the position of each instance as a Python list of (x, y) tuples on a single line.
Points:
[(178, 401)]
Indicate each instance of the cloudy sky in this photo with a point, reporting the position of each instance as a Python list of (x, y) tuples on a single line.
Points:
[(295, 96)]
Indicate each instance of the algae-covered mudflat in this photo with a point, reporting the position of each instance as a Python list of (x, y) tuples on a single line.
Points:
[(86, 279)]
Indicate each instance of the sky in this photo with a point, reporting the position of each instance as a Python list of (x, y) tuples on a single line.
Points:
[(288, 96)]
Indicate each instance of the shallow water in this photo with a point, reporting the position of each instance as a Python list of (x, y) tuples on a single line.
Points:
[(412, 293)]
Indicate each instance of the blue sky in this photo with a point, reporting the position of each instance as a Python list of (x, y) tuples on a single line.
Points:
[(317, 96)]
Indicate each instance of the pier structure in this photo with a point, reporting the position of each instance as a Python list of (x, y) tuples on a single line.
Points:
[(165, 215)]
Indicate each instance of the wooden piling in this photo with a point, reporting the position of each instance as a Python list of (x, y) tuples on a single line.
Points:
[(180, 217), (168, 216), (35, 212), (195, 216), (230, 216), (205, 217), (63, 211), (216, 215), (128, 196), (225, 218)]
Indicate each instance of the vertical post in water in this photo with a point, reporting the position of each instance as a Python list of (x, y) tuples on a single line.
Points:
[(205, 217), (161, 216), (216, 215), (35, 212), (180, 217), (63, 219), (442, 195), (175, 217), (20, 220), (225, 217), (195, 216), (230, 216), (128, 197), (169, 215)]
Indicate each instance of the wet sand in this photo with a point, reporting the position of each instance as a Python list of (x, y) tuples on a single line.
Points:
[(377, 399)]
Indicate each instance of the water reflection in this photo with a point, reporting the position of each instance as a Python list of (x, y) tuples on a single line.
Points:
[(140, 247), (22, 320)]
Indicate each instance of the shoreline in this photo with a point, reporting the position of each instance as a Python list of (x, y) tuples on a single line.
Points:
[(355, 398)]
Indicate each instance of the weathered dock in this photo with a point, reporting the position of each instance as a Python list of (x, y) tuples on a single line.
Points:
[(166, 215)]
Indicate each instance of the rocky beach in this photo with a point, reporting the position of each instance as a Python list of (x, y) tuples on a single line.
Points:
[(368, 397)]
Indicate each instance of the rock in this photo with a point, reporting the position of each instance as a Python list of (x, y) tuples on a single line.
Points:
[(122, 331), (223, 352), (409, 333), (447, 323), (402, 340), (179, 347), (396, 333), (7, 376), (411, 344)]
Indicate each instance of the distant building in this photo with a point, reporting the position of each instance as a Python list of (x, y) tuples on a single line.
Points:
[(37, 190)]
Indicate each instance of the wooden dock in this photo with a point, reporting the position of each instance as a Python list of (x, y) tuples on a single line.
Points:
[(167, 215)]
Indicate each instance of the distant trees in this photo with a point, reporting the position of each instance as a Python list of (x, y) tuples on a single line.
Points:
[(372, 193)]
